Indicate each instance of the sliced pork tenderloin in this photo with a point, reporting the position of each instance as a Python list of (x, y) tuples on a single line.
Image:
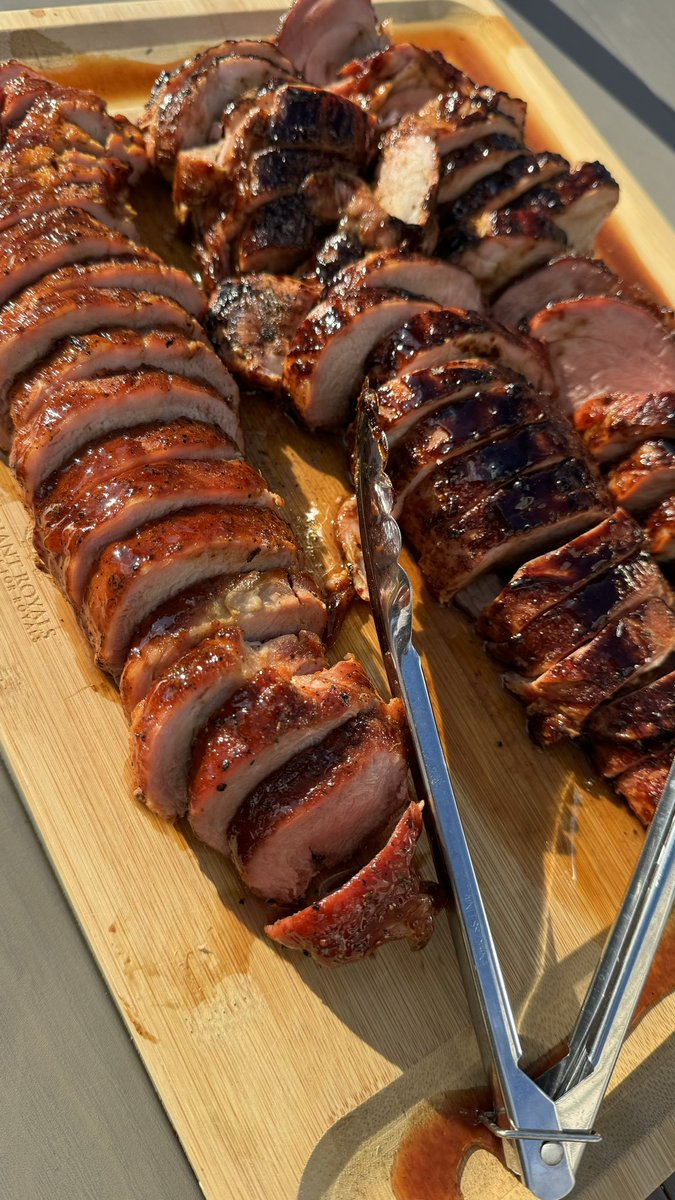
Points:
[(643, 786), (185, 697), (639, 716), (135, 576), (275, 238), (578, 203), (298, 116), (265, 724), (465, 168), (604, 346), (645, 478), (416, 274), (140, 273), (554, 577), (661, 530), (613, 426), (284, 833), (629, 647), (19, 202), (46, 124), (385, 901), (262, 604), (516, 178), (79, 412), (566, 278), (398, 80), (499, 247), (407, 399), (454, 120), (320, 36), (326, 362), (408, 177), (433, 338)]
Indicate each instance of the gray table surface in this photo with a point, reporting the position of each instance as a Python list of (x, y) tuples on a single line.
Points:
[(79, 1119)]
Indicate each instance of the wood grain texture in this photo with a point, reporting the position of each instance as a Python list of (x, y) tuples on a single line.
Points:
[(284, 1080)]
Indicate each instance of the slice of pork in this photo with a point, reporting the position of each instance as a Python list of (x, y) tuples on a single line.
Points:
[(115, 351), (185, 697), (300, 117), (645, 478), (262, 604), (638, 716), (429, 278), (406, 399), (76, 535), (252, 322), (140, 273), (398, 80), (613, 426), (46, 124), (19, 202), (503, 187), (566, 278), (465, 168), (285, 831), (203, 185), (320, 36), (603, 346), (454, 120), (325, 365), (554, 577), (275, 238), (87, 409), (135, 576), (347, 533), (643, 786), (562, 629), (408, 177), (434, 338), (261, 728), (385, 901), (661, 530), (272, 173), (629, 647), (31, 326), (534, 512), (578, 203), (500, 246)]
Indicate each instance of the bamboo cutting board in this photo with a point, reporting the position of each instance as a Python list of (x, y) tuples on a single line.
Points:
[(283, 1079)]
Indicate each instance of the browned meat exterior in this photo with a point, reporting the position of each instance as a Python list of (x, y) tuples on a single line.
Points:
[(562, 699), (614, 425), (499, 247), (495, 191), (512, 523), (437, 337), (116, 351), (397, 80), (455, 120), (639, 716), (645, 478), (313, 813), (186, 696), (326, 363), (430, 278), (566, 626), (264, 725), (76, 535), (31, 326), (578, 203), (567, 278), (79, 412), (348, 537), (271, 174), (556, 576), (603, 346), (275, 238), (298, 116), (35, 174), (19, 200), (135, 576), (262, 604), (661, 530), (318, 44), (488, 419), (408, 177), (44, 241), (253, 320), (642, 787), (406, 399), (464, 169), (138, 273), (385, 901)]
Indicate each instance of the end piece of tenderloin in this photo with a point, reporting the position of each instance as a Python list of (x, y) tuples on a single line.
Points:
[(398, 80), (113, 352), (642, 786), (554, 577), (540, 508), (578, 203), (325, 365), (661, 530), (73, 536), (262, 604), (613, 426), (77, 413), (252, 321), (464, 168), (385, 901), (434, 338), (265, 724), (135, 576), (416, 274), (602, 346), (189, 112), (503, 187), (31, 326), (562, 699), (185, 697), (645, 478), (409, 398), (500, 246), (566, 626), (566, 278), (320, 36), (312, 814)]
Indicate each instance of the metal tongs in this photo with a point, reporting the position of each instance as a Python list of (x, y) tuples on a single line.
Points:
[(545, 1124)]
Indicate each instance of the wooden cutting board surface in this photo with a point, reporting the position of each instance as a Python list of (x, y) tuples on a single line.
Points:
[(283, 1079)]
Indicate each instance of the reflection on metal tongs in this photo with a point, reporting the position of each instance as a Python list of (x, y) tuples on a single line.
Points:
[(545, 1123)]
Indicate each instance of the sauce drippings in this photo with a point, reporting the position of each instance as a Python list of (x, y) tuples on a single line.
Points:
[(433, 1153), (110, 76)]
